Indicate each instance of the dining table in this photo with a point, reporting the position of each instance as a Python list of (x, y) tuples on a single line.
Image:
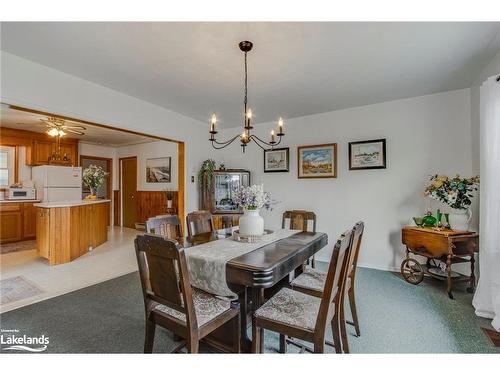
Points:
[(247, 272)]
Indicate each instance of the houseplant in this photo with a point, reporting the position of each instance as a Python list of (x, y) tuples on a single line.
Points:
[(93, 177), (206, 174), (455, 192), (252, 199)]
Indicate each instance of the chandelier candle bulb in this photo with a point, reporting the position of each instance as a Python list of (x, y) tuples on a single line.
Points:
[(272, 136), (280, 124)]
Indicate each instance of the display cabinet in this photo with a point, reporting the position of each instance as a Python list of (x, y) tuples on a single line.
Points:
[(219, 199)]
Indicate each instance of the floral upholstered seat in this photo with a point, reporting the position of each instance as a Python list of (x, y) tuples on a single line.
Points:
[(310, 279), (206, 306), (291, 307)]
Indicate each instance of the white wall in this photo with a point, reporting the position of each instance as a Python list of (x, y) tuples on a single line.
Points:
[(145, 151), (28, 84), (425, 135)]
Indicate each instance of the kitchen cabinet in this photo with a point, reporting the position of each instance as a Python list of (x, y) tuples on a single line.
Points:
[(11, 225), (18, 221), (29, 220), (41, 151), (64, 233)]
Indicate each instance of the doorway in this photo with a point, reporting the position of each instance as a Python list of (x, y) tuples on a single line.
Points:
[(128, 188)]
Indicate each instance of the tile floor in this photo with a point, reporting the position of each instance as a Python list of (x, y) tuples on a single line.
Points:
[(114, 258)]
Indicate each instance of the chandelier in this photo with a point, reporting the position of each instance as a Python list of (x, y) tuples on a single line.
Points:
[(246, 137)]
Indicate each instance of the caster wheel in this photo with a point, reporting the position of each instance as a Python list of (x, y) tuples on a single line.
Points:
[(412, 271)]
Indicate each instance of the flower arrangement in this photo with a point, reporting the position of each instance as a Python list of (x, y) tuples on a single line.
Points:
[(93, 177), (455, 192), (252, 197)]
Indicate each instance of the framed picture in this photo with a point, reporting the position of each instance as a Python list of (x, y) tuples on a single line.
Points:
[(317, 161), (367, 154), (277, 160), (158, 170)]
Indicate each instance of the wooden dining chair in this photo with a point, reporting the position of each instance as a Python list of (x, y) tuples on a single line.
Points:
[(299, 220), (302, 316), (312, 282), (199, 222), (167, 226), (172, 303)]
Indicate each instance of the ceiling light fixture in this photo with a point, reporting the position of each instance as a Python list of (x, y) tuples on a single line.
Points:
[(245, 137)]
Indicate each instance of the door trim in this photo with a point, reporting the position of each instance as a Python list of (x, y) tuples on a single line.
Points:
[(120, 183)]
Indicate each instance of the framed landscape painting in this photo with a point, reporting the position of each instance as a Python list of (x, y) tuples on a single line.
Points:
[(277, 160), (317, 161), (158, 170), (367, 154)]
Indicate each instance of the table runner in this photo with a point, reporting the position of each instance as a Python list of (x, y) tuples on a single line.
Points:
[(207, 262)]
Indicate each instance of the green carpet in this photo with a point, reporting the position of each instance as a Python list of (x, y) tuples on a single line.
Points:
[(396, 317)]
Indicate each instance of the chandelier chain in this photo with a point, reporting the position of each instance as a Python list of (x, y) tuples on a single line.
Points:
[(246, 83)]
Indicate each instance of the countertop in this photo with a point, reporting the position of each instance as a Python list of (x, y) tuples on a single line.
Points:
[(70, 203), (20, 201)]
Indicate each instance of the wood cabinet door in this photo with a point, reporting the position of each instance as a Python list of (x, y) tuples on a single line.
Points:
[(42, 231), (41, 152), (29, 221), (11, 228)]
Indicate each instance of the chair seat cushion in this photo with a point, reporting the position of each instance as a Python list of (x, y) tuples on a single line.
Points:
[(311, 278), (207, 307), (291, 307)]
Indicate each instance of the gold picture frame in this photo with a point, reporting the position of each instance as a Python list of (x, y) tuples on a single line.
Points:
[(317, 161)]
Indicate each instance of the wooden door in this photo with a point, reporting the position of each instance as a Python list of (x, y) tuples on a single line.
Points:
[(29, 220), (128, 187)]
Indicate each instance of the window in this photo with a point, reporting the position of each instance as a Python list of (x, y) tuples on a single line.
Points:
[(7, 165)]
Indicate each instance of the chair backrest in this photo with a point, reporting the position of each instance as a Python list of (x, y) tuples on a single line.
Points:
[(357, 236), (164, 275), (199, 222), (165, 225), (335, 278), (299, 220)]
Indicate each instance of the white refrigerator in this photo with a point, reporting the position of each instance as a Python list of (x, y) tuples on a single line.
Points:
[(55, 183)]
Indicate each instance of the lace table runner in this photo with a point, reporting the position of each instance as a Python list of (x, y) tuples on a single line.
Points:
[(207, 262)]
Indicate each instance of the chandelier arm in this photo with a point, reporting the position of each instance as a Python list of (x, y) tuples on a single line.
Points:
[(223, 144), (255, 138)]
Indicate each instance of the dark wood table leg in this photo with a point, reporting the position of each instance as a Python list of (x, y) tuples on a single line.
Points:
[(246, 342), (472, 280), (448, 278)]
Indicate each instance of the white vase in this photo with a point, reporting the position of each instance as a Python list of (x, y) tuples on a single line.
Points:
[(460, 219), (169, 203), (251, 223)]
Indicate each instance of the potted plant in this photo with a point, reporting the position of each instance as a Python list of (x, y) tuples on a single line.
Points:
[(93, 177), (252, 199), (206, 174), (455, 192)]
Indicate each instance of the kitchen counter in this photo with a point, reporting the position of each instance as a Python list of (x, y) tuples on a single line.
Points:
[(83, 202), (20, 201)]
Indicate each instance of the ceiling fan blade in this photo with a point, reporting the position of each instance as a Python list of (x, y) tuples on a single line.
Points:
[(74, 127), (74, 131)]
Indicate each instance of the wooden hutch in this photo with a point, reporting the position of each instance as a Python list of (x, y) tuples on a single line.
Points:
[(218, 199)]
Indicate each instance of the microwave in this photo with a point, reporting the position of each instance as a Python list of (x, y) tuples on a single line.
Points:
[(21, 193)]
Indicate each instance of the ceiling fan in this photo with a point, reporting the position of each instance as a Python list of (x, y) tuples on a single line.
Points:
[(58, 127)]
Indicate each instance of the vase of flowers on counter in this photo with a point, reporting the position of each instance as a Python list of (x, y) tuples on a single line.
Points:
[(251, 199), (456, 192), (93, 177)]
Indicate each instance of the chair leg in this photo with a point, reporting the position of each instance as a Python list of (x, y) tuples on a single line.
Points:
[(313, 262), (256, 336), (343, 330), (149, 336), (282, 343), (193, 345), (354, 313), (319, 347), (336, 334)]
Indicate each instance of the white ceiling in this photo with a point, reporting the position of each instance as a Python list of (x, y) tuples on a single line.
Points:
[(295, 69), (15, 119)]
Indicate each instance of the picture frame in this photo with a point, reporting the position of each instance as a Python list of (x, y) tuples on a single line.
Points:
[(317, 161), (277, 160), (369, 154), (159, 170)]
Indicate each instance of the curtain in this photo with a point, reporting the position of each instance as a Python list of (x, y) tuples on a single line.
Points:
[(487, 298)]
